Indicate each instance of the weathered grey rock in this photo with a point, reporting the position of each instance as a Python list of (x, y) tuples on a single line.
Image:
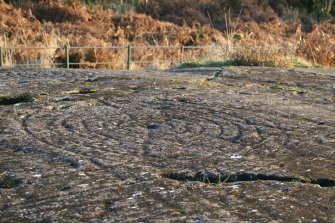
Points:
[(174, 146)]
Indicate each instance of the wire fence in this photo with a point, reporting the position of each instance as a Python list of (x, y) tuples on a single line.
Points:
[(115, 57)]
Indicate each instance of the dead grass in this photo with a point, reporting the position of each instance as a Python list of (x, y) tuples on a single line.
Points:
[(59, 23), (252, 55), (258, 56), (319, 45)]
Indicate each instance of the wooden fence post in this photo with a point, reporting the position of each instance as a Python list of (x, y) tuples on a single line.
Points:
[(1, 57), (67, 48), (129, 57), (227, 52), (182, 50)]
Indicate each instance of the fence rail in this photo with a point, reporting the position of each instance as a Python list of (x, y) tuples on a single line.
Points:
[(127, 61)]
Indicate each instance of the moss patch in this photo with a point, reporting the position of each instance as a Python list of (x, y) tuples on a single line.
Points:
[(290, 88), (303, 121), (9, 183), (82, 91)]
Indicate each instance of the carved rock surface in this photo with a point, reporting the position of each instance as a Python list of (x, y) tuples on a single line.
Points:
[(248, 145)]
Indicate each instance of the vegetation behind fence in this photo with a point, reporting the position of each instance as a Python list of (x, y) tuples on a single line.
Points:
[(140, 57)]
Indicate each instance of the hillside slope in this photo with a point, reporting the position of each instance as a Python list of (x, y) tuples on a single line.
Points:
[(53, 24)]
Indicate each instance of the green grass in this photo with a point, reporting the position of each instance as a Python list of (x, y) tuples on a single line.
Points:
[(289, 61), (220, 181), (190, 65), (249, 62), (227, 63), (202, 64), (299, 62)]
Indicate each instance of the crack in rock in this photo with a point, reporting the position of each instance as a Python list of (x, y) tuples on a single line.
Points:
[(11, 100), (212, 178)]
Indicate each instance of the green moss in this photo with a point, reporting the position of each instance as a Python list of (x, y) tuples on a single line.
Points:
[(91, 84), (235, 192), (9, 183), (40, 98), (303, 120), (87, 91), (83, 91), (290, 88)]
